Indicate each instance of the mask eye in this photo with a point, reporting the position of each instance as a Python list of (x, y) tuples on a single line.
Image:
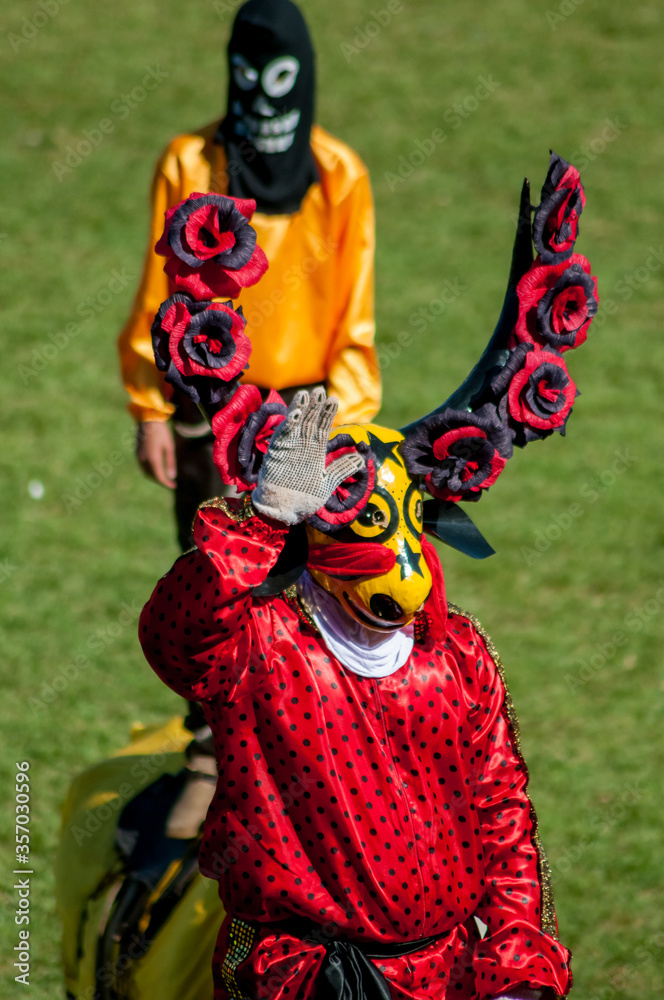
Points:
[(418, 511), (372, 516), (279, 76), (377, 521), (244, 74)]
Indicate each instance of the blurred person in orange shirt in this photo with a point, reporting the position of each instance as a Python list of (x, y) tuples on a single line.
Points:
[(311, 318)]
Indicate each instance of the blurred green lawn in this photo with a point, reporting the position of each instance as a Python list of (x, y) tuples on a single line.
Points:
[(583, 77)]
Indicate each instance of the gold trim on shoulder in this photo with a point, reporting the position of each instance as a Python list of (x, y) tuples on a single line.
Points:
[(548, 915), (221, 503), (293, 598)]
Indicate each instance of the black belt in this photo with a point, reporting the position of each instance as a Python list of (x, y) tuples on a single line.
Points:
[(347, 972)]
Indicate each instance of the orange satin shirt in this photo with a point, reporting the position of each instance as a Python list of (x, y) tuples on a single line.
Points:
[(310, 318)]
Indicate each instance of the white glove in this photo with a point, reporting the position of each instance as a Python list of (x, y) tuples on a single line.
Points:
[(294, 482)]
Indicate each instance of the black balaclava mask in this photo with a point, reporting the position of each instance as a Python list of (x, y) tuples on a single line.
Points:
[(266, 131)]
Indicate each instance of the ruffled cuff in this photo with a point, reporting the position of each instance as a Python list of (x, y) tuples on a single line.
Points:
[(520, 954)]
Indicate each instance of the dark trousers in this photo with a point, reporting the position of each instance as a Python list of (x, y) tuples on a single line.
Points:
[(197, 480)]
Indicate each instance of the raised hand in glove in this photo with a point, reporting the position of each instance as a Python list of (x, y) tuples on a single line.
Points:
[(294, 481)]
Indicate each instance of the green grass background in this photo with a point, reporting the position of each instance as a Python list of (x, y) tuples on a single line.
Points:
[(592, 739)]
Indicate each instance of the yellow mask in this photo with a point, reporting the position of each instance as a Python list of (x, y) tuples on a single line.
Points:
[(393, 518)]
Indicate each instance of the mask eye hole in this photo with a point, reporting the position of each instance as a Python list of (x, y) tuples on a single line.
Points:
[(418, 510), (373, 517), (279, 76), (377, 520), (244, 74)]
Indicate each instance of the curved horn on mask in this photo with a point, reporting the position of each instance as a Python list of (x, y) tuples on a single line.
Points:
[(496, 352), (520, 389)]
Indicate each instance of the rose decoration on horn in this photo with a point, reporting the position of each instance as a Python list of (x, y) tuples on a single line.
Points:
[(520, 390), (556, 223)]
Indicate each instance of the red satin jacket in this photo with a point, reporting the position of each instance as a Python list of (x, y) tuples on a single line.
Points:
[(382, 810)]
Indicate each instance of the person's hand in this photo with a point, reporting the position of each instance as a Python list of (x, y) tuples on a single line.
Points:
[(155, 451), (294, 480)]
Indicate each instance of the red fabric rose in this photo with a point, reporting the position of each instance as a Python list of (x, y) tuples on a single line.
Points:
[(557, 303), (556, 222), (458, 453), (541, 394), (467, 464), (210, 247), (201, 347), (211, 342), (242, 433)]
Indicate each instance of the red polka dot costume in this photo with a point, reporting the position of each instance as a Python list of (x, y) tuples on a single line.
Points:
[(371, 831), (378, 811)]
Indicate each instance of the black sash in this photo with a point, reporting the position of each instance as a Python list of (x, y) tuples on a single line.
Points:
[(347, 972)]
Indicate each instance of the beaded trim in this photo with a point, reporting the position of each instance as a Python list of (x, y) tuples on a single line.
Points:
[(548, 913), (241, 938), (293, 598), (221, 503)]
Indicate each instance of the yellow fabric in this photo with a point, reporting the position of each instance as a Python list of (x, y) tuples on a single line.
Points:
[(178, 964), (310, 318)]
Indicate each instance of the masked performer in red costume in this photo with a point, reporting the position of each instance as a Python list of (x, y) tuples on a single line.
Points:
[(370, 778)]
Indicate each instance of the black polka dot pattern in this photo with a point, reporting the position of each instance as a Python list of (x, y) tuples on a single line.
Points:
[(383, 810)]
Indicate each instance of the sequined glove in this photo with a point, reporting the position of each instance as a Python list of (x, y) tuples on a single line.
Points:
[(294, 481)]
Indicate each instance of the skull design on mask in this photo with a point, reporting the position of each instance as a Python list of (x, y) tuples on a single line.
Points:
[(271, 93)]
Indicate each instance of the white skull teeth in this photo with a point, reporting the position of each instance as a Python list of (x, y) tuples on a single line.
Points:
[(270, 135), (272, 126), (275, 144)]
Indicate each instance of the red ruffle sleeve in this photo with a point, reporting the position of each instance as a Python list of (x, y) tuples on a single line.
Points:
[(193, 630), (520, 946)]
